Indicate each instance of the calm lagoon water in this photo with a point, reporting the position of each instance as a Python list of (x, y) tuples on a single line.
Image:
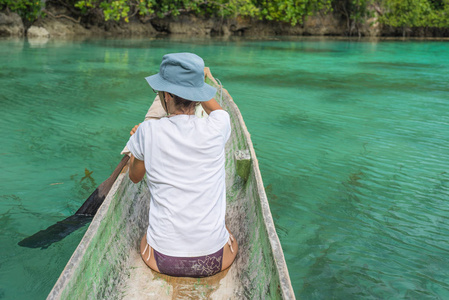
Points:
[(352, 138)]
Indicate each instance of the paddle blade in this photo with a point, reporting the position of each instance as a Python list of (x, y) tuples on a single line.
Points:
[(44, 238), (91, 205), (60, 230)]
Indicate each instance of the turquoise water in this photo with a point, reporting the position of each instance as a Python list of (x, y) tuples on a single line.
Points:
[(352, 139)]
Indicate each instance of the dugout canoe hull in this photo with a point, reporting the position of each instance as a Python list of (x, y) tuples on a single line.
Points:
[(107, 265)]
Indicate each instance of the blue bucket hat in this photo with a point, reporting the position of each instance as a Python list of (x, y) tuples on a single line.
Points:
[(182, 74)]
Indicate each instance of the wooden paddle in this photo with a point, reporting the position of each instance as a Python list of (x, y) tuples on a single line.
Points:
[(61, 229)]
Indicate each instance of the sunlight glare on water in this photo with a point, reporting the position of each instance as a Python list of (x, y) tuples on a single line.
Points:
[(351, 136)]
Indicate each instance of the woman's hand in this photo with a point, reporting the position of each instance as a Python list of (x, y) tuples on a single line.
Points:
[(134, 129)]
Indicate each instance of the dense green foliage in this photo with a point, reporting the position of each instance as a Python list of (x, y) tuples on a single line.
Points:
[(397, 13), (28, 9), (291, 11), (122, 9), (416, 13)]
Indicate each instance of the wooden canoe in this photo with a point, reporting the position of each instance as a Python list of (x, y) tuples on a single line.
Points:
[(107, 265)]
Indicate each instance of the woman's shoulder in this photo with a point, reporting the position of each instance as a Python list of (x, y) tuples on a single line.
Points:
[(219, 113), (219, 117), (220, 121), (154, 121)]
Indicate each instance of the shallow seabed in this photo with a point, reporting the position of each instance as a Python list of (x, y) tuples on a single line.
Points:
[(352, 138)]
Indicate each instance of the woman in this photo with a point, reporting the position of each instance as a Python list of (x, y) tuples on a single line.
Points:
[(183, 157)]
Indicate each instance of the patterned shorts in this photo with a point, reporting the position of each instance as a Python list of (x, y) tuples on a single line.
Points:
[(200, 266)]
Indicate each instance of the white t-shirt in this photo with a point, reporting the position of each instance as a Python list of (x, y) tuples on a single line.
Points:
[(185, 165)]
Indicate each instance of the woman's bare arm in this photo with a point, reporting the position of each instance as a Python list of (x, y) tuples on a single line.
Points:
[(136, 169), (210, 106)]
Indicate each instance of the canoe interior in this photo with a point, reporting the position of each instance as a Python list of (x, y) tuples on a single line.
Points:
[(107, 263)]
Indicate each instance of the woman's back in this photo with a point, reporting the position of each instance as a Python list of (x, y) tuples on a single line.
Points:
[(184, 161)]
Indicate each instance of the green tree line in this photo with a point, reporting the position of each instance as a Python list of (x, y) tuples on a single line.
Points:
[(397, 13)]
